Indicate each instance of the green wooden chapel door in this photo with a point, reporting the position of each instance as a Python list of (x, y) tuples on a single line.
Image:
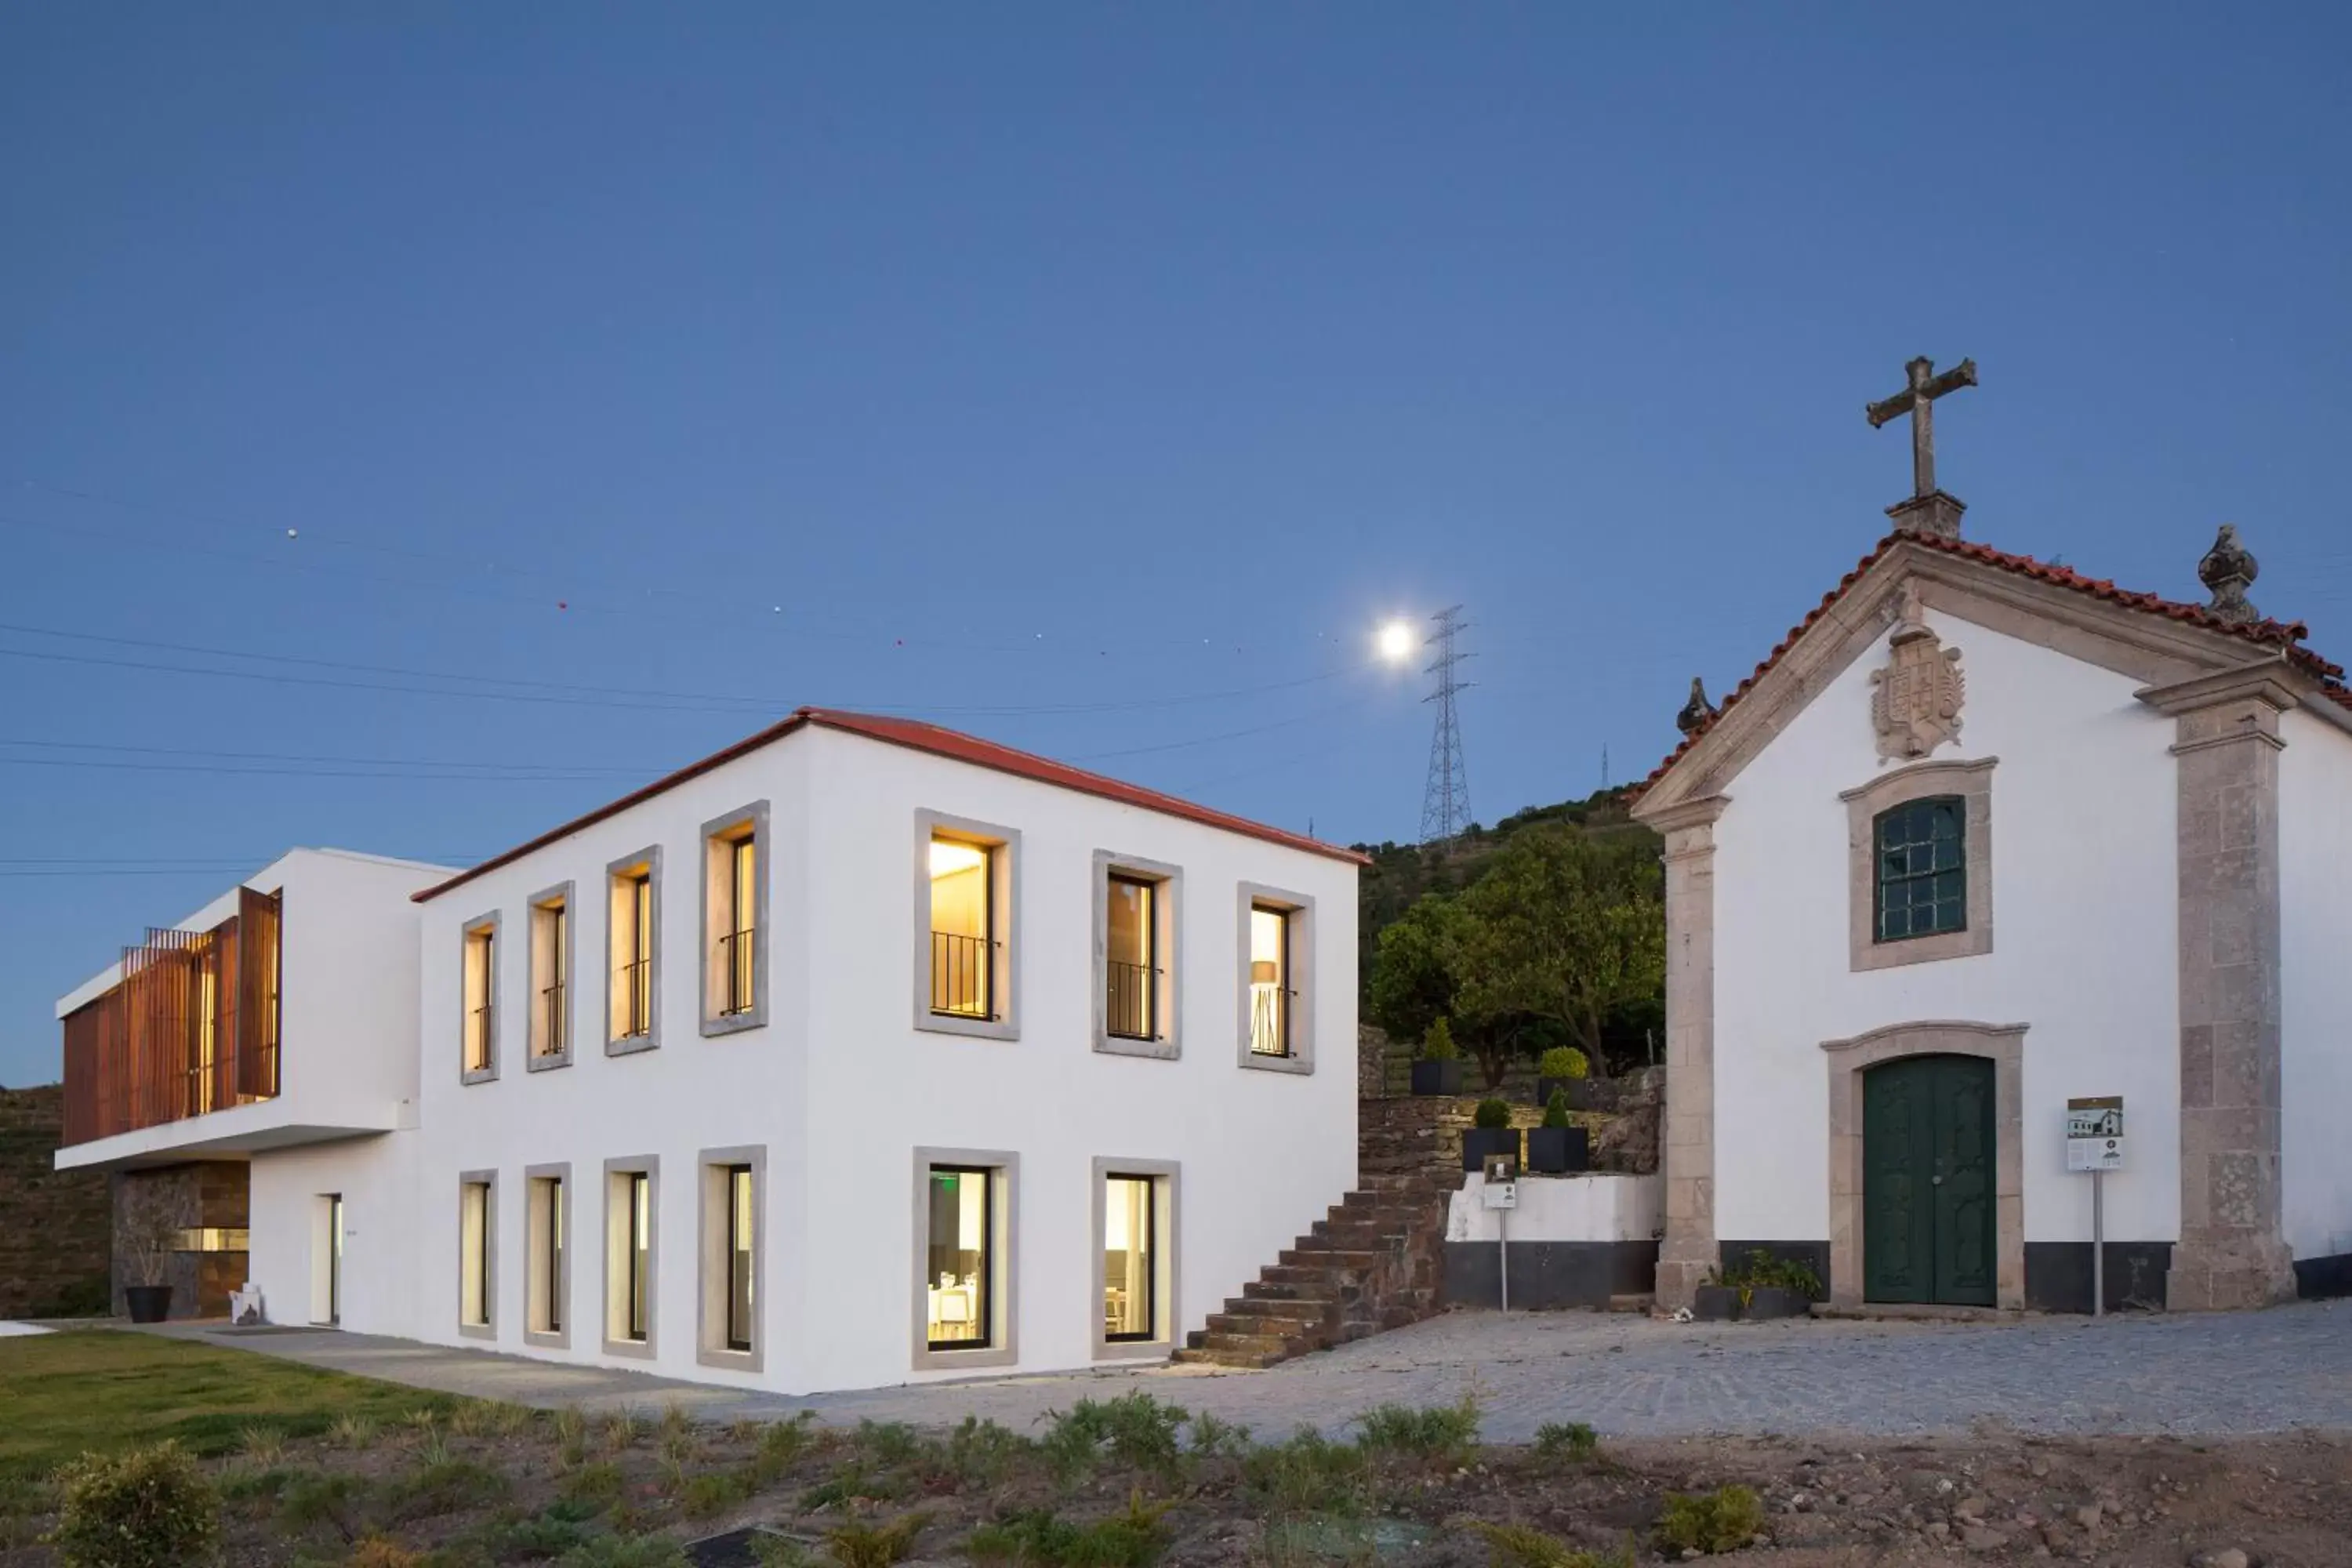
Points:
[(1930, 1229)]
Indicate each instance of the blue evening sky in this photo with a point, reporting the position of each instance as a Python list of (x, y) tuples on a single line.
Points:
[(1095, 378)]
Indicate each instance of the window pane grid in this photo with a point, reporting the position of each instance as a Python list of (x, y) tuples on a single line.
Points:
[(1922, 881)]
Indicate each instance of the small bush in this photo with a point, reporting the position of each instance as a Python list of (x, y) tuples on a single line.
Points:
[(624, 1551), (713, 1491), (1133, 1429), (352, 1431), (1429, 1432), (1132, 1539), (375, 1552), (1437, 1045), (150, 1507), (444, 1486), (1724, 1519), (336, 1500), (1492, 1114), (1562, 1061), (848, 1486), (600, 1484), (1309, 1474), (1758, 1268), (859, 1545), (888, 1443), (262, 1445), (1556, 1110), (1516, 1546), (1213, 1438), (978, 1454), (1566, 1440)]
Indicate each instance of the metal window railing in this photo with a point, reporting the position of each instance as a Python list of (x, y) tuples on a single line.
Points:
[(1130, 1012), (1270, 1020), (554, 1020), (478, 1039), (635, 986), (737, 949), (961, 974)]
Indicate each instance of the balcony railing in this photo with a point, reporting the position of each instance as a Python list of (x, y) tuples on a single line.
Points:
[(737, 949), (634, 988), (193, 1027), (478, 1039), (1130, 1012), (554, 1020), (961, 975), (1270, 1020)]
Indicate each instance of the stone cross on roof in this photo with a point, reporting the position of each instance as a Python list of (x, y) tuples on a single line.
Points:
[(1929, 509)]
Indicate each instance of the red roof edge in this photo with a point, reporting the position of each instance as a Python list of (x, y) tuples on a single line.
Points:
[(2283, 634), (938, 741)]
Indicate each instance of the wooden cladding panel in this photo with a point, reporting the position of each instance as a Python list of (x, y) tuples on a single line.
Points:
[(191, 1028)]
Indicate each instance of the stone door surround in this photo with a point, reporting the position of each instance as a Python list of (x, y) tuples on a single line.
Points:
[(2004, 1044)]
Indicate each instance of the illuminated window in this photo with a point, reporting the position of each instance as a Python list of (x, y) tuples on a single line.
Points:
[(632, 1220), (481, 994), (477, 1220), (633, 923), (1132, 962), (735, 969), (963, 928), (1269, 981), (1130, 1247), (961, 1255), (550, 976), (548, 1225)]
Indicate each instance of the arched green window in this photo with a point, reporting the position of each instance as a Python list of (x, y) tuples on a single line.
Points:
[(1923, 879)]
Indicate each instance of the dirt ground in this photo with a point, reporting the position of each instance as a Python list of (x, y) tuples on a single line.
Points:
[(1130, 1482)]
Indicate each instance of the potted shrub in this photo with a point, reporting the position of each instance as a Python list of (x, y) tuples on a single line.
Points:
[(1490, 1132), (1757, 1287), (1560, 1069), (148, 1230), (1438, 1067), (1559, 1146)]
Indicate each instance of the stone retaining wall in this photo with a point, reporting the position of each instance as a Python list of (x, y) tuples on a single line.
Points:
[(53, 1223)]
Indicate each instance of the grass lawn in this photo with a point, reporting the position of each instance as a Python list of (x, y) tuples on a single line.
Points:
[(62, 1395)]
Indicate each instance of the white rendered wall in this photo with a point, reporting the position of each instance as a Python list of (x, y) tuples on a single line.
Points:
[(839, 1087), (377, 1179), (2315, 982), (1562, 1208), (2085, 898)]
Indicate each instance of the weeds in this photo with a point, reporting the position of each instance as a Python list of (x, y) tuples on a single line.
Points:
[(1566, 1440), (621, 1429), (444, 1486), (624, 1552), (1217, 1439), (1516, 1546), (1134, 1429), (1724, 1519), (319, 1498), (1310, 1474), (352, 1431), (888, 1443), (848, 1486), (1425, 1432), (713, 1491), (1133, 1539), (977, 1454), (598, 1484), (262, 1445), (859, 1545)]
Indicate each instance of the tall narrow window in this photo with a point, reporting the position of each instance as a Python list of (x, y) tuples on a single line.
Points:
[(474, 1219), (1130, 1260), (633, 930), (740, 1235), (963, 928), (550, 976), (640, 1256), (554, 1255), (743, 861), (960, 1256), (548, 1222), (1131, 965), (734, 957), (1922, 881), (481, 997), (1269, 981)]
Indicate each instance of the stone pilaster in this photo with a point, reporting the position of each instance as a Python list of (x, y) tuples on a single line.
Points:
[(1689, 1251), (2232, 1252)]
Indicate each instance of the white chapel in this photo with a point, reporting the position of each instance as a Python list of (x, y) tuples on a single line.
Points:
[(1983, 836)]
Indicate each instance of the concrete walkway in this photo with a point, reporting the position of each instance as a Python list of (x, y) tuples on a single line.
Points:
[(2274, 1370)]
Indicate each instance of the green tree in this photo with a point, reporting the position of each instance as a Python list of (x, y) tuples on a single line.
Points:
[(1560, 930), (1412, 980)]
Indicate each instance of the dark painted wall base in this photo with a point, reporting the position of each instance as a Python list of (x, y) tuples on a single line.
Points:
[(1549, 1273), (2317, 1277), (1813, 1254), (2058, 1275)]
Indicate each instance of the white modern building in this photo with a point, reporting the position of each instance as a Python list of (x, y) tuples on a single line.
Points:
[(1981, 838), (862, 1052)]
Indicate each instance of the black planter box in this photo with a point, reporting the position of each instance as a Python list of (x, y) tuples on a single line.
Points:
[(1557, 1150), (1775, 1302), (1478, 1142), (1715, 1304), (148, 1303), (1437, 1077)]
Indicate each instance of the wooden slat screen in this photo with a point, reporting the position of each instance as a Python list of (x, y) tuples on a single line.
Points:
[(191, 1027)]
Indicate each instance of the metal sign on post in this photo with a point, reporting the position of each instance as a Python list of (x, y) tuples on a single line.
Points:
[(2095, 1143), (1500, 1190)]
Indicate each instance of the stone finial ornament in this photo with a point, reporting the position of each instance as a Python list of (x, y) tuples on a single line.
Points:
[(2229, 569), (1696, 711), (1914, 701)]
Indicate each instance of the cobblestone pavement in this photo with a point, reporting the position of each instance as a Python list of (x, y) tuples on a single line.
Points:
[(1628, 1376)]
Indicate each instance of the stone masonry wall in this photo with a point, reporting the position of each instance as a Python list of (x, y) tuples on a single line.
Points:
[(214, 1193), (53, 1223)]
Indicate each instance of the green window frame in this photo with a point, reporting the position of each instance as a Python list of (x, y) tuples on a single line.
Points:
[(1921, 861)]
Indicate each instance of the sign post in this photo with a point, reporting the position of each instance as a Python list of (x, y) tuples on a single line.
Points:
[(2095, 1143), (1502, 1194)]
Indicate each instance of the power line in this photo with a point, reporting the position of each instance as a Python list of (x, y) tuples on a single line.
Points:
[(1445, 796)]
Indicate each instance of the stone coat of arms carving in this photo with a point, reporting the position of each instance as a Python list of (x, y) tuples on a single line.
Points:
[(1914, 701)]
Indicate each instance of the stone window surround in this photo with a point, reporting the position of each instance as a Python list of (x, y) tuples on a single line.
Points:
[(710, 1270), (1166, 1175), (1004, 920), (1300, 908), (559, 1289), (649, 859), (489, 1071), (617, 1228), (489, 1328), (1167, 906), (718, 831), (534, 1060), (1849, 1059), (1004, 1224), (1971, 780)]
